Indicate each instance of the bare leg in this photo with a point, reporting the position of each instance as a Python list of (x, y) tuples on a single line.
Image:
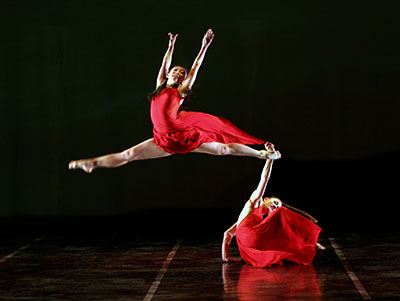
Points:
[(234, 149), (145, 150)]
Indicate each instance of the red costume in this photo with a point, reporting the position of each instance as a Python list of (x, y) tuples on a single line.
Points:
[(283, 234), (185, 131)]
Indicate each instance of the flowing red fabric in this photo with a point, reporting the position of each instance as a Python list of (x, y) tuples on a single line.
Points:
[(185, 131), (282, 235)]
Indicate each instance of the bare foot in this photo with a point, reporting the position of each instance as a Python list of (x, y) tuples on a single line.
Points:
[(319, 246), (272, 155), (86, 165)]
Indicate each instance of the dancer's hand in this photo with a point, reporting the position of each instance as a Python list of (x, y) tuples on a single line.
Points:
[(208, 37), (228, 259), (269, 146), (172, 38), (225, 247)]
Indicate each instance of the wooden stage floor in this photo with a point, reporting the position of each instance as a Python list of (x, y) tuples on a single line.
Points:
[(163, 265)]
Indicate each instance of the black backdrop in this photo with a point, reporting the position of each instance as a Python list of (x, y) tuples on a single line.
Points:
[(317, 79)]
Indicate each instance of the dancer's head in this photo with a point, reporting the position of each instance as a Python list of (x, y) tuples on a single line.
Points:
[(176, 75), (270, 204)]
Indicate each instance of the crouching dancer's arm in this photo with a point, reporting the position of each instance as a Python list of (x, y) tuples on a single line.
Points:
[(255, 197), (228, 235)]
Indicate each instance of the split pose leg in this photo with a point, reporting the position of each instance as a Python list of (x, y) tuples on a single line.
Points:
[(234, 149), (172, 86), (142, 151), (149, 150)]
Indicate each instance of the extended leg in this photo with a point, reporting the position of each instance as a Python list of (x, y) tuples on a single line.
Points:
[(145, 150), (234, 149)]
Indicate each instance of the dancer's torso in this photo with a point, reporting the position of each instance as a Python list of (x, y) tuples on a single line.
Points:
[(164, 110)]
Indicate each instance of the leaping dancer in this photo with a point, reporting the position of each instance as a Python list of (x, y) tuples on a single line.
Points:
[(177, 131)]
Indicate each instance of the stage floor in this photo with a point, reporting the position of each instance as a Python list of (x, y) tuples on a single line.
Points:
[(159, 265)]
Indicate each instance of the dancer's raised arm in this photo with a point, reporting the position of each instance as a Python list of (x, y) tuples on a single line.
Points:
[(256, 196), (166, 63), (190, 79), (177, 131), (262, 185)]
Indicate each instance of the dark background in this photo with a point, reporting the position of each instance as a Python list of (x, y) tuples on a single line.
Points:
[(320, 80)]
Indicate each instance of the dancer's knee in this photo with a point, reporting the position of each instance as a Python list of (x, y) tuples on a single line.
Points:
[(128, 155), (223, 150)]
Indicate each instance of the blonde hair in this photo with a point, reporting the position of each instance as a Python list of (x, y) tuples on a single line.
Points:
[(301, 212)]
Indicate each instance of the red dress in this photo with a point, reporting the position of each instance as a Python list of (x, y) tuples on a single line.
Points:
[(185, 131), (283, 234)]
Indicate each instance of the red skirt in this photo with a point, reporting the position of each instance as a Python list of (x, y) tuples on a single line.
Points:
[(197, 128), (282, 235)]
